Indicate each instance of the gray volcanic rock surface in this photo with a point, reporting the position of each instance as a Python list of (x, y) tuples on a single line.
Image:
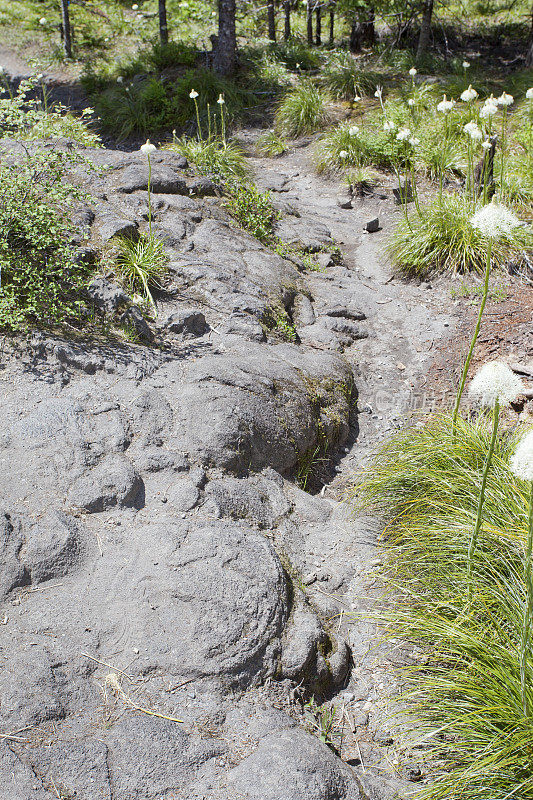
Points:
[(157, 636)]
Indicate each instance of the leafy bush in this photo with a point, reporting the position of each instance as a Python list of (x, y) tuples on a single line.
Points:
[(24, 118), (301, 111), (443, 239), (253, 210), (221, 161), (464, 692), (41, 281), (343, 77)]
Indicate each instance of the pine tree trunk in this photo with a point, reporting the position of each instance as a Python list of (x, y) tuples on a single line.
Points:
[(309, 22), (369, 32), (287, 10), (65, 28), (163, 27), (318, 31), (271, 20), (356, 33), (331, 26), (225, 53), (529, 54), (425, 29)]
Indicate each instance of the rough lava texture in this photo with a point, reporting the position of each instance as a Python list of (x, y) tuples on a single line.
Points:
[(151, 615)]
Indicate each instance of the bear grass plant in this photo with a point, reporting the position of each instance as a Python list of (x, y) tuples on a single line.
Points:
[(443, 239), (303, 110), (465, 694)]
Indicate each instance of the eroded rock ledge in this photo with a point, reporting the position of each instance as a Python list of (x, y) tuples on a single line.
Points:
[(151, 526)]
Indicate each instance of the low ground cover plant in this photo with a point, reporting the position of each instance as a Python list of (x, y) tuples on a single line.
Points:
[(41, 279)]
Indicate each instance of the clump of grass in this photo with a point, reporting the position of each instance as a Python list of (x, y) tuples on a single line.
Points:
[(442, 239), (219, 160), (343, 77), (297, 55), (338, 149), (465, 692), (141, 264), (301, 111), (271, 145)]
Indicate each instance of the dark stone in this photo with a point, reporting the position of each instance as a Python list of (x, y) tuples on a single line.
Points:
[(187, 321), (372, 225), (202, 187), (403, 193), (108, 297), (134, 317), (344, 201)]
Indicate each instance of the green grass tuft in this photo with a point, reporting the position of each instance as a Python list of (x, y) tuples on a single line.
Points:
[(302, 111), (442, 239), (463, 693)]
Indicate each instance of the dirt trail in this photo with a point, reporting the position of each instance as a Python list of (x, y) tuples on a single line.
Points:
[(405, 322)]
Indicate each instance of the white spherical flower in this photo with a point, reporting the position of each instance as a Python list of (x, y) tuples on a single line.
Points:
[(354, 130), (522, 461), (148, 148), (221, 100), (445, 106), (343, 154), (469, 94), (473, 131), (120, 79), (135, 7), (529, 94), (488, 110), (412, 72), (379, 92), (40, 76), (388, 126), (466, 64), (495, 381), (42, 21), (411, 102), (403, 134), (505, 99), (297, 66), (494, 220), (486, 145), (414, 141), (193, 94), (357, 99)]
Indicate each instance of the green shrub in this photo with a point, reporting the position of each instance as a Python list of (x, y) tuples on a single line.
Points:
[(224, 162), (142, 108), (41, 281), (463, 693), (27, 119), (253, 210), (301, 111), (151, 105), (442, 239)]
